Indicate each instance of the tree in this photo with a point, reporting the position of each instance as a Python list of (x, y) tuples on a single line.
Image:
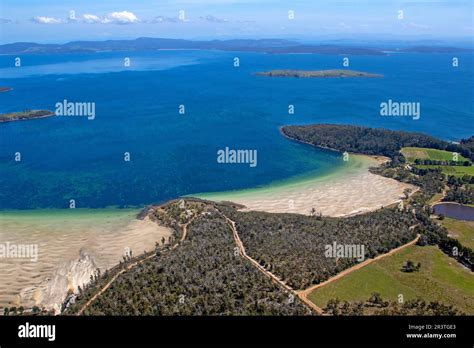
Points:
[(376, 299), (410, 267), (332, 307)]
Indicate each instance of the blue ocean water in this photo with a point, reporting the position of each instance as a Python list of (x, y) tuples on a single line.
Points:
[(67, 158)]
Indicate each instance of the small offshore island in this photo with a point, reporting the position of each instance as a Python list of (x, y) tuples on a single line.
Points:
[(25, 115), (317, 73)]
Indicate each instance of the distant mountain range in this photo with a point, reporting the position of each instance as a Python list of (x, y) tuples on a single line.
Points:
[(274, 46)]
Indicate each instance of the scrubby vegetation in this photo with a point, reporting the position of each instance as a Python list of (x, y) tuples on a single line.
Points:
[(203, 276), (461, 189), (317, 73), (432, 181), (410, 267), (25, 115), (468, 144), (375, 305), (293, 246), (201, 272), (433, 233)]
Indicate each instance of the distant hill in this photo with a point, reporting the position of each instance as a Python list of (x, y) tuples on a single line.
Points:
[(150, 44), (275, 46), (434, 49)]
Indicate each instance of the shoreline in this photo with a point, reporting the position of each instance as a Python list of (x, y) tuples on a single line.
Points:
[(326, 73), (29, 118), (348, 191), (71, 247), (383, 159)]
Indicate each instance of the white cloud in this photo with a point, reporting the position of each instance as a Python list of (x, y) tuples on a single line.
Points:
[(47, 20), (419, 26), (213, 19), (123, 17), (344, 26), (162, 19), (90, 18)]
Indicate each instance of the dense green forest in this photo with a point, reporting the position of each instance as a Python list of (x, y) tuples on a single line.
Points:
[(431, 180), (461, 189), (468, 144), (382, 142), (371, 141)]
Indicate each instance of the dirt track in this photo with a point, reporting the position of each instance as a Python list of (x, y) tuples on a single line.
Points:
[(302, 294), (129, 267), (306, 292), (269, 274)]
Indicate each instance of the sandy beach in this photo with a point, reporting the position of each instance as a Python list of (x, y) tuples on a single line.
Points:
[(71, 246), (349, 191)]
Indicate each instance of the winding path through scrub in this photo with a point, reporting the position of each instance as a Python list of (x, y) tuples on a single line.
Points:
[(302, 294), (130, 266), (306, 292), (269, 274)]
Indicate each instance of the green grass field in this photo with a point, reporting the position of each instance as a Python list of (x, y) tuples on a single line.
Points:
[(436, 198), (461, 230), (440, 278), (413, 153), (451, 170)]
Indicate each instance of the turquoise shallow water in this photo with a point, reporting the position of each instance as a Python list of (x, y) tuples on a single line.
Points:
[(67, 158)]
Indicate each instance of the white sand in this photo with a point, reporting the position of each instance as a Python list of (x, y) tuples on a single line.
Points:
[(71, 247), (352, 191)]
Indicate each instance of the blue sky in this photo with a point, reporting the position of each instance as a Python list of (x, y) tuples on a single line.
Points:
[(53, 21)]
